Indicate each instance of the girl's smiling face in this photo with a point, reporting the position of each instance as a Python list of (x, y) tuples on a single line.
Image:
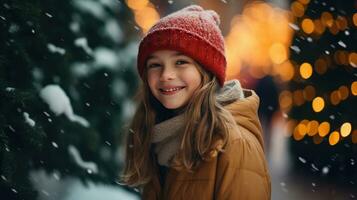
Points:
[(172, 77)]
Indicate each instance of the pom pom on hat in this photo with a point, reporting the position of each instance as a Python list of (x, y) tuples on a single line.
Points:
[(192, 31)]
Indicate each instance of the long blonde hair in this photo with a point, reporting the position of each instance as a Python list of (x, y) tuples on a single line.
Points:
[(206, 120)]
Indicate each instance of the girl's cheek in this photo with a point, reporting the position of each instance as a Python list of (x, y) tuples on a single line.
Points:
[(151, 81)]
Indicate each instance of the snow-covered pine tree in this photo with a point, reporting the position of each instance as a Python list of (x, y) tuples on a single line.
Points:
[(82, 52)]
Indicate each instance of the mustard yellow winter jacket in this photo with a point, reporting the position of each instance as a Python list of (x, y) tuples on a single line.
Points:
[(239, 173)]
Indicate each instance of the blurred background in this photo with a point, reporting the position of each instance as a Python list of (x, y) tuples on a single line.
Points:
[(68, 77)]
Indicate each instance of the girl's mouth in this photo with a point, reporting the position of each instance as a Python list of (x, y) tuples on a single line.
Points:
[(170, 91)]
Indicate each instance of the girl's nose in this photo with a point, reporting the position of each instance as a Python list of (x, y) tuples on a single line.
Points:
[(168, 73)]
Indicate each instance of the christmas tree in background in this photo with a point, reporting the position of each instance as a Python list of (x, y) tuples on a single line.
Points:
[(66, 80), (322, 96)]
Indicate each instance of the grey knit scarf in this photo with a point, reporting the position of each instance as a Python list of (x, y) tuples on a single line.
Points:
[(166, 136)]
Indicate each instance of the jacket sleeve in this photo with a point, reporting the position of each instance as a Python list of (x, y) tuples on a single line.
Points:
[(242, 172)]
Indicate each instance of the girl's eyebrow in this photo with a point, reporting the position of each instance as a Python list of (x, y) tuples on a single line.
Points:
[(178, 54), (151, 57)]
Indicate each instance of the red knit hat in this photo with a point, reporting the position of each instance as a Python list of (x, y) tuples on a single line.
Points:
[(192, 31)]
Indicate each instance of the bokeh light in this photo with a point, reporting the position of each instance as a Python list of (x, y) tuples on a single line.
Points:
[(305, 2), (312, 127), (324, 129), (354, 18), (327, 19), (299, 131), (352, 59), (343, 91), (318, 104), (285, 99), (354, 136), (334, 29), (341, 57), (277, 52), (335, 97), (354, 88), (346, 129), (297, 9), (284, 71), (305, 70), (145, 13), (307, 26), (317, 139), (309, 92), (341, 23), (320, 66), (264, 54), (319, 27), (298, 97), (334, 138)]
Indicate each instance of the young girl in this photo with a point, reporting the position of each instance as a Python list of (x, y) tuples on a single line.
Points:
[(192, 136)]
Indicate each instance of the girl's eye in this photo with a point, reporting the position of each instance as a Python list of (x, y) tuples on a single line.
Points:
[(153, 65), (181, 62)]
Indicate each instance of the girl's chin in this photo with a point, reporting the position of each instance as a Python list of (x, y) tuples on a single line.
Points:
[(173, 106)]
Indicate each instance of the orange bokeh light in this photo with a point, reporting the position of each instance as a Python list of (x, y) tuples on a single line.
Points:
[(352, 59), (305, 70), (334, 138), (318, 104), (354, 88), (145, 13), (309, 93), (327, 19), (261, 37), (297, 9), (324, 129), (354, 18), (320, 66), (307, 26)]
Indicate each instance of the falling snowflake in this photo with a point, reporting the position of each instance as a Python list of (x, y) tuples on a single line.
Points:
[(48, 15), (296, 49), (3, 178), (302, 160), (294, 26), (342, 44), (54, 144), (314, 167), (325, 170)]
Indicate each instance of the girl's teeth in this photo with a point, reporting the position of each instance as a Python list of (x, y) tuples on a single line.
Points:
[(172, 89)]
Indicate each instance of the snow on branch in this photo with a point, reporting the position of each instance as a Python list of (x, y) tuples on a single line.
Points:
[(91, 167), (59, 103)]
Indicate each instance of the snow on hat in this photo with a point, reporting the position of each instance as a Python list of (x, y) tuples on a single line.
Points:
[(192, 31)]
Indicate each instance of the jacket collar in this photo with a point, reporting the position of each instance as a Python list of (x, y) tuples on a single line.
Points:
[(245, 113)]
